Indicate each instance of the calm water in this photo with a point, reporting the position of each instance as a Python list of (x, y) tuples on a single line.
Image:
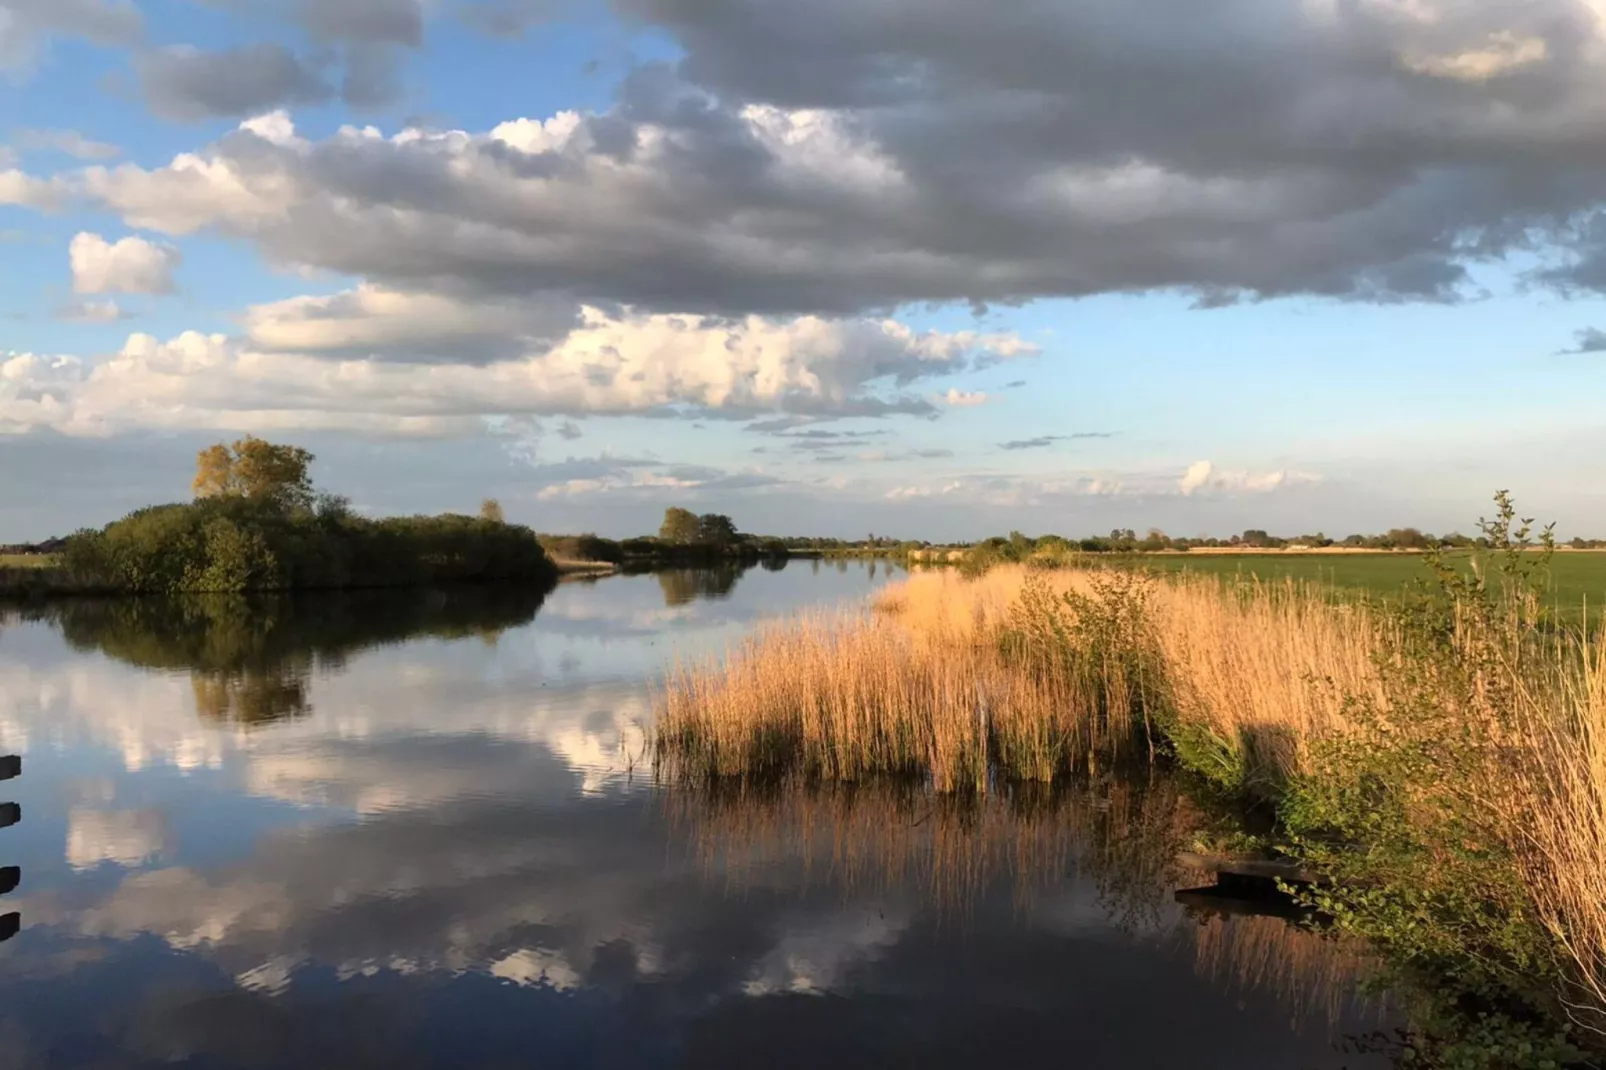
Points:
[(414, 831)]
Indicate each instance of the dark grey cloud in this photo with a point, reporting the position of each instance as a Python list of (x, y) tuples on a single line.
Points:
[(26, 24), (569, 430), (1589, 340), (1048, 440), (397, 22), (185, 84), (1015, 385), (1292, 149), (943, 152), (373, 76)]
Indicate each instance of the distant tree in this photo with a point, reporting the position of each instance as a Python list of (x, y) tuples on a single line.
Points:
[(491, 509), (1406, 539), (255, 469), (716, 529), (680, 525)]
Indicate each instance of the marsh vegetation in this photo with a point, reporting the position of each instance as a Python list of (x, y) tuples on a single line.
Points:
[(1439, 760)]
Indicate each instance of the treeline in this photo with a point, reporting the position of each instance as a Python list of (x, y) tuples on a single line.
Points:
[(683, 538), (256, 524), (1017, 547)]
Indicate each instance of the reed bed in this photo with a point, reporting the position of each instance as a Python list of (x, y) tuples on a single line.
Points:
[(1029, 674), (1457, 761)]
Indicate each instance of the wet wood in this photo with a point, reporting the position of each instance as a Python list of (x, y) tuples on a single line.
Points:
[(1262, 868), (10, 766)]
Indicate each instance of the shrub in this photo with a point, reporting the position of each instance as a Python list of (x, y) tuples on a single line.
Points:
[(232, 544)]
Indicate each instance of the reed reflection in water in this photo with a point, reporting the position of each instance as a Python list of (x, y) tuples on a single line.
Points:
[(1114, 838)]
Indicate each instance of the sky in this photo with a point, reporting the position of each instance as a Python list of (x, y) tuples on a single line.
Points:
[(922, 268)]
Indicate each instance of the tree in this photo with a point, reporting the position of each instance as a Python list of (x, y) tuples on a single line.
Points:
[(680, 525), (491, 509), (717, 529), (255, 469)]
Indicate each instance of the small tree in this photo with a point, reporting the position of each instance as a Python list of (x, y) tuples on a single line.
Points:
[(716, 529), (680, 525), (255, 469), (491, 509)]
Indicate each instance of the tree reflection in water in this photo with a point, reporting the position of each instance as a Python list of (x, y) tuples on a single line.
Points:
[(683, 586), (250, 658)]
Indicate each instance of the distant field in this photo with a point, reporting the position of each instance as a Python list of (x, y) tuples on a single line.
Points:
[(28, 560), (1574, 576)]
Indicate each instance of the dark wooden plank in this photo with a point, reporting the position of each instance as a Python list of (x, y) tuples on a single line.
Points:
[(10, 877), (10, 925), (10, 766), (1266, 868), (10, 814)]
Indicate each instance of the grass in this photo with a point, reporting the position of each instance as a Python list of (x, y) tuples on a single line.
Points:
[(29, 561), (1572, 581), (1442, 760)]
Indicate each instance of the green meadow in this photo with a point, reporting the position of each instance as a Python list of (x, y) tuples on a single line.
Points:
[(1573, 578)]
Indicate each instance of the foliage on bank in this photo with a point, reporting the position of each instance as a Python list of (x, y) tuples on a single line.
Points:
[(235, 545), (257, 524)]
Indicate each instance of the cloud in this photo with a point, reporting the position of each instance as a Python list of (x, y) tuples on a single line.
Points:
[(612, 477), (1204, 476), (26, 24), (396, 22), (1048, 440), (68, 142), (392, 325), (963, 398), (840, 175), (569, 431), (1343, 151), (17, 188), (131, 265), (92, 312), (629, 364), (126, 837), (1589, 340), (185, 84), (1501, 54)]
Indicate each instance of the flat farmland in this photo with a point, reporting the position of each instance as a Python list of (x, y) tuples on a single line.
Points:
[(1573, 578)]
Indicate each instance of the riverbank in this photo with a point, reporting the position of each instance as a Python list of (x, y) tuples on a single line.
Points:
[(1442, 765)]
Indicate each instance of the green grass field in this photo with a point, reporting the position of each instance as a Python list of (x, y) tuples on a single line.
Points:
[(1574, 577)]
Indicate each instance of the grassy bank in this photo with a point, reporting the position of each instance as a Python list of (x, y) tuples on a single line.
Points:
[(1442, 760)]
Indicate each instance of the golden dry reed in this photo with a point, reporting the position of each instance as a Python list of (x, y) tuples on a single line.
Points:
[(1029, 675)]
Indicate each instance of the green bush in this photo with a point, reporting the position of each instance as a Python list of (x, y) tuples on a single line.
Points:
[(237, 544)]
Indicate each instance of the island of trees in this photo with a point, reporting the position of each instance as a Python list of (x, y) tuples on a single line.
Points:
[(257, 523)]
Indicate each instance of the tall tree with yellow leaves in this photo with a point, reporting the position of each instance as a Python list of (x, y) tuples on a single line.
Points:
[(255, 469)]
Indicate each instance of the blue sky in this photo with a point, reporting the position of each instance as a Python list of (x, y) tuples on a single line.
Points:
[(916, 269)]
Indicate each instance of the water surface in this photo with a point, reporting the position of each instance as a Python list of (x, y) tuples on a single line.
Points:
[(416, 830)]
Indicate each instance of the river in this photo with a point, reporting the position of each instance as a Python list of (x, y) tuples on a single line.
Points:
[(420, 830)]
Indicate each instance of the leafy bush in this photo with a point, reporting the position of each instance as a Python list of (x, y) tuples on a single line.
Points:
[(232, 544)]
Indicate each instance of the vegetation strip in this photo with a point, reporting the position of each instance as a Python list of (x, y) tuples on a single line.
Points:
[(1439, 763)]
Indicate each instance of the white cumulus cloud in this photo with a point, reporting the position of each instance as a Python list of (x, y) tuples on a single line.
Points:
[(130, 265)]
